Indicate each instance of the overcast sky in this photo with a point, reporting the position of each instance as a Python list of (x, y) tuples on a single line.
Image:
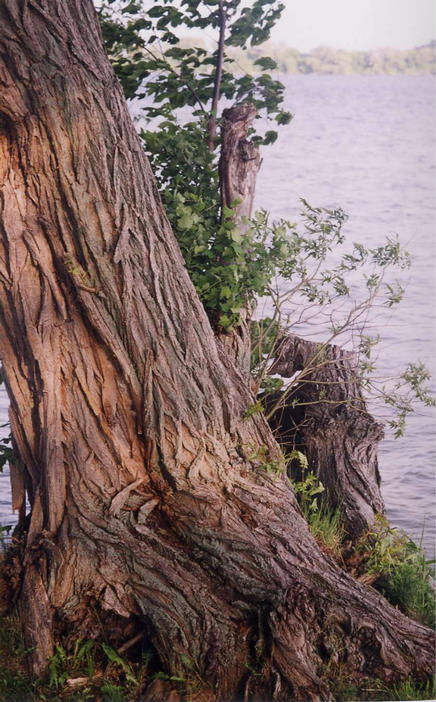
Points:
[(356, 24)]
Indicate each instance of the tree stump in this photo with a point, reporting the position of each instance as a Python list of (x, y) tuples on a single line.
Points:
[(326, 417)]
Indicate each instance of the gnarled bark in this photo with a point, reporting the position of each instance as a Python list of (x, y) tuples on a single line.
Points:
[(325, 415), (149, 510)]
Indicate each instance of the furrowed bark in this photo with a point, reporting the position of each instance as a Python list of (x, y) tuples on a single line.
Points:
[(331, 424), (150, 508)]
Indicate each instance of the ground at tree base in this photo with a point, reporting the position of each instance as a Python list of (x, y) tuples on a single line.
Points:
[(90, 673)]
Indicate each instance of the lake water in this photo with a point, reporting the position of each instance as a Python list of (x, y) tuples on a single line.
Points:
[(366, 143)]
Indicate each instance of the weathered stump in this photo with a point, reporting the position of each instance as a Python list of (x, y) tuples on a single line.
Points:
[(326, 416), (238, 168)]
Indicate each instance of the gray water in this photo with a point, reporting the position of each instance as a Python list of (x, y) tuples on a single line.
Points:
[(366, 143)]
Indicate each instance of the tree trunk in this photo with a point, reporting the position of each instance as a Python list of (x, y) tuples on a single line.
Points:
[(325, 416), (150, 508)]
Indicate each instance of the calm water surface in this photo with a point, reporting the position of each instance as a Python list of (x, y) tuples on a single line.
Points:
[(366, 143)]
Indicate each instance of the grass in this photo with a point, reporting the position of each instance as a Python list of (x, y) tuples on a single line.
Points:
[(400, 570), (92, 671), (409, 585), (14, 683), (325, 522), (327, 528), (387, 558), (367, 689), (106, 680), (410, 690)]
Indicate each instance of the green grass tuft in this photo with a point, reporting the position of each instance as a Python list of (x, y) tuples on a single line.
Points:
[(325, 522), (376, 690), (326, 526), (410, 690), (15, 685), (403, 573), (409, 585)]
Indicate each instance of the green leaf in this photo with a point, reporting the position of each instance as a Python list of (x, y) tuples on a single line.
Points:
[(227, 212), (270, 137), (284, 118), (300, 457), (236, 235), (115, 657), (225, 321), (187, 661), (226, 292), (186, 221), (265, 63)]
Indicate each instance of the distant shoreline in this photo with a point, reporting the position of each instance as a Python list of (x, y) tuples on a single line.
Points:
[(326, 60)]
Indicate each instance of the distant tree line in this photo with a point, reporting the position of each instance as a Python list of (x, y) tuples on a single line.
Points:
[(324, 59)]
